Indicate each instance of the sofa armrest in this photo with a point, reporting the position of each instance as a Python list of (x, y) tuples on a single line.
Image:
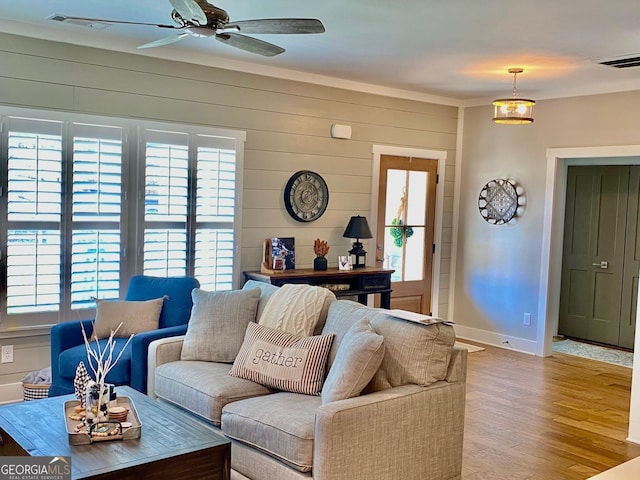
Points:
[(161, 351), (457, 371), (139, 346), (69, 334), (409, 432), (64, 336)]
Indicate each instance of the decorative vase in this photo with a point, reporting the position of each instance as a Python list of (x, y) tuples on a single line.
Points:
[(320, 263), (96, 403)]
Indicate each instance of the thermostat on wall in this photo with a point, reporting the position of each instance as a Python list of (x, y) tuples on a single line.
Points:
[(341, 131)]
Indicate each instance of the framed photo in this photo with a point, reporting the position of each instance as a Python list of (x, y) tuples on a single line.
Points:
[(283, 252), (344, 262)]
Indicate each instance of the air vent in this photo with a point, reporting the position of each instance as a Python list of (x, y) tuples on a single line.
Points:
[(622, 62), (96, 25)]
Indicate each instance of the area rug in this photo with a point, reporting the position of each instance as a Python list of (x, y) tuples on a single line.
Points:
[(470, 348), (594, 352)]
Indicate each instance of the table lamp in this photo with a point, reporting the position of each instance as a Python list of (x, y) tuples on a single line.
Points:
[(358, 228)]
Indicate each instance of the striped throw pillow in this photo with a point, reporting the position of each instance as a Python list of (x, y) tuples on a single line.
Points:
[(281, 360)]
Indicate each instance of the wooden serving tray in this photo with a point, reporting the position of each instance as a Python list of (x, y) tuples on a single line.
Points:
[(83, 438)]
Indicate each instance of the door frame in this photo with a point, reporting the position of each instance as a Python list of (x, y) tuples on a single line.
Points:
[(558, 159), (441, 157)]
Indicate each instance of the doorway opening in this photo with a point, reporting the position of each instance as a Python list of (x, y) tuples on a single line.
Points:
[(558, 161)]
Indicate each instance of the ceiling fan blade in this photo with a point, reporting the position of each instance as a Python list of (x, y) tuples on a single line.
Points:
[(190, 11), (164, 41), (62, 18), (278, 25), (250, 44)]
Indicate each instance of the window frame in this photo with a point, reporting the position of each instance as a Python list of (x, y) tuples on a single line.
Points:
[(132, 208)]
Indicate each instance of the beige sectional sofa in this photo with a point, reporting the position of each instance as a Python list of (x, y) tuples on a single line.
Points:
[(407, 423)]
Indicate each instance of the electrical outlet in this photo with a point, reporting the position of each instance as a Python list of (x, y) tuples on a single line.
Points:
[(526, 321), (7, 354)]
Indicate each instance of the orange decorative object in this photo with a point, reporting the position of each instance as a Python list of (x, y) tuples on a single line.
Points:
[(320, 247)]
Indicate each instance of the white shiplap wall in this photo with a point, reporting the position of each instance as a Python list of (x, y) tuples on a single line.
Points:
[(288, 129)]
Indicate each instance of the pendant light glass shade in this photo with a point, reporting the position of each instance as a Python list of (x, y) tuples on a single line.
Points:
[(513, 111)]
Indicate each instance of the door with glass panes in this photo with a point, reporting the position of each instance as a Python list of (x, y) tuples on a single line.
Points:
[(405, 233)]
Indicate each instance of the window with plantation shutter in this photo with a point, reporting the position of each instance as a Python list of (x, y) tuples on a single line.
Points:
[(89, 202), (189, 206), (215, 212), (33, 216), (166, 202), (96, 210)]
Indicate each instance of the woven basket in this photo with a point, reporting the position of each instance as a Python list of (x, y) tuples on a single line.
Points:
[(35, 391)]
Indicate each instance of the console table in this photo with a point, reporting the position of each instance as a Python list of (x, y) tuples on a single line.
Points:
[(358, 282)]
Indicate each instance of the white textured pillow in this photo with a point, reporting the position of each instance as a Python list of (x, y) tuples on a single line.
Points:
[(217, 324), (280, 360), (296, 308), (135, 316), (358, 358)]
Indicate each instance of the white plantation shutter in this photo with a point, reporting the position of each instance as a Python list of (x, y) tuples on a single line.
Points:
[(96, 199), (215, 212), (87, 203), (34, 208), (166, 201), (33, 271), (190, 188)]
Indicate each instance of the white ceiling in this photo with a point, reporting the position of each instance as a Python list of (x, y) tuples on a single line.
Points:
[(456, 49)]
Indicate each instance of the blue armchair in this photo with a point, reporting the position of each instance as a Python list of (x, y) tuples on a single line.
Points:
[(68, 349)]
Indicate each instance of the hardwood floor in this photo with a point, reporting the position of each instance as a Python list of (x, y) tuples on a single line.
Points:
[(555, 418)]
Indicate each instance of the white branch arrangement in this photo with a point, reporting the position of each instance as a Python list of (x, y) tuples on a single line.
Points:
[(101, 358)]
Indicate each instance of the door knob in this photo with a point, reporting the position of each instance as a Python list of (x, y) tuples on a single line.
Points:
[(602, 264)]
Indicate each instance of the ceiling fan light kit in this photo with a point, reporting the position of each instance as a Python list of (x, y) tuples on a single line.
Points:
[(198, 18), (514, 110)]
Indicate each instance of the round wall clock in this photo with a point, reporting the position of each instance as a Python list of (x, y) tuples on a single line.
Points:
[(306, 196)]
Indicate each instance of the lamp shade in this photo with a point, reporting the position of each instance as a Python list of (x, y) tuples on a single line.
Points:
[(357, 228), (513, 111)]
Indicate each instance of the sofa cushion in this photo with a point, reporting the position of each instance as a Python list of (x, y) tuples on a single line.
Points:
[(266, 290), (218, 323), (297, 309), (120, 374), (135, 317), (281, 425), (357, 360), (414, 353), (203, 388), (278, 359)]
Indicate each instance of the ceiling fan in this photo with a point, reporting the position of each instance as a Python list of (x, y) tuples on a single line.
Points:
[(198, 18)]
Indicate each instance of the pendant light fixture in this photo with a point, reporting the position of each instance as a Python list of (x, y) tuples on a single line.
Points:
[(513, 111)]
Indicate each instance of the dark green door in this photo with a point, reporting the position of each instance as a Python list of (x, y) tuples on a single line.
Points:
[(631, 263), (600, 254)]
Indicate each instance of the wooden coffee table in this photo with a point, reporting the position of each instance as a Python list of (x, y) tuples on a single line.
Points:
[(172, 445)]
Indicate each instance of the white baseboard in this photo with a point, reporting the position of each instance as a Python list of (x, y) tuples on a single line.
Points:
[(507, 342), (10, 393), (633, 440)]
